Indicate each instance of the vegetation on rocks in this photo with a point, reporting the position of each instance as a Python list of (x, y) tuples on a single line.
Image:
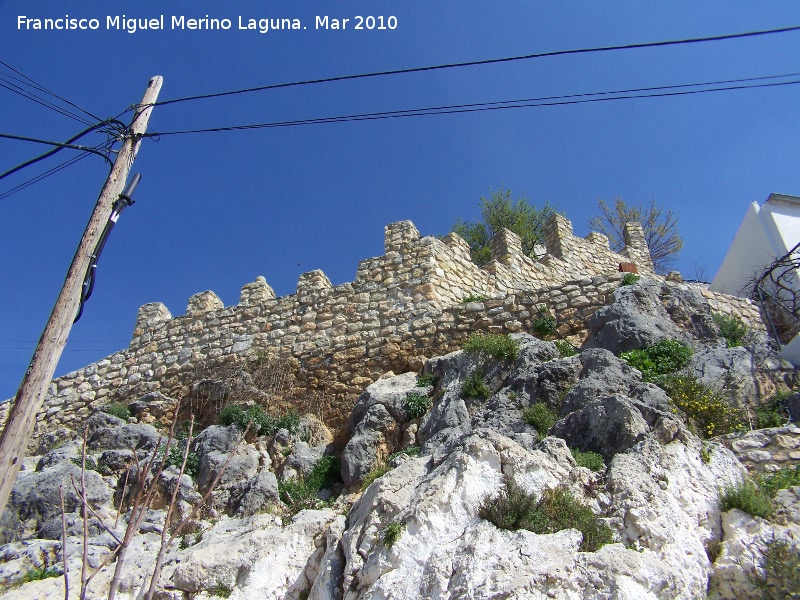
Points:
[(475, 387), (392, 533), (565, 349), (540, 417), (747, 497), (731, 328), (775, 575), (629, 279), (501, 347), (428, 379), (666, 356), (556, 510), (590, 460), (118, 409), (261, 421), (784, 478), (708, 411), (301, 493), (774, 412), (416, 405)]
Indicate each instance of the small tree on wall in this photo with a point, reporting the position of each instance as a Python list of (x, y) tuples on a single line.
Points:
[(499, 211), (660, 229)]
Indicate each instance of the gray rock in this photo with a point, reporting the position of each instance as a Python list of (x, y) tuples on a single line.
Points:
[(213, 447), (603, 374), (731, 369), (361, 455), (124, 437), (249, 497), (35, 499), (793, 402), (635, 319), (448, 412), (300, 461), (391, 393), (61, 454), (608, 425)]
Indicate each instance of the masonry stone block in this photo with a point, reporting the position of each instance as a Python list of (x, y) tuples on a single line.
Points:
[(204, 302), (257, 292), (151, 315)]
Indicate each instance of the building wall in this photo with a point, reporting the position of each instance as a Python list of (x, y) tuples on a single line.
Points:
[(766, 232), (401, 308)]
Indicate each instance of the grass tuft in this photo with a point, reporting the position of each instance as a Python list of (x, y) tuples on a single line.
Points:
[(392, 533), (475, 386), (731, 328), (746, 497), (501, 347), (629, 279), (590, 460), (540, 417), (262, 422), (117, 409), (416, 405), (555, 510)]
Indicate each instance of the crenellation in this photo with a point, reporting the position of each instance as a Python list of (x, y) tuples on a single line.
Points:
[(401, 307), (204, 302)]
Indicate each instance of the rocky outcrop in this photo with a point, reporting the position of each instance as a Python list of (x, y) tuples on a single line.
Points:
[(421, 528)]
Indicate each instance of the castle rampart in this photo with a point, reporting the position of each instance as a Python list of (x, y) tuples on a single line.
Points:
[(401, 307)]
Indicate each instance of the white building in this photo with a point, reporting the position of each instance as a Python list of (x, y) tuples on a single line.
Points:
[(766, 233)]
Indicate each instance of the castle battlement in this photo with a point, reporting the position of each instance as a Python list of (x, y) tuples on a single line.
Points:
[(401, 308)]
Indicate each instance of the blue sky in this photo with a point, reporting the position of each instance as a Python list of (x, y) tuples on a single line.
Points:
[(216, 210)]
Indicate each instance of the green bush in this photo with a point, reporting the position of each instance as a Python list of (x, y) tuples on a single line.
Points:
[(540, 417), (175, 456), (498, 346), (555, 510), (776, 575), (565, 349), (667, 356), (746, 497), (416, 405), (117, 409), (731, 328), (262, 422), (301, 493), (782, 479), (426, 380), (392, 533), (475, 387), (708, 411), (545, 325), (774, 412), (590, 460), (629, 279), (37, 574), (472, 298), (221, 590)]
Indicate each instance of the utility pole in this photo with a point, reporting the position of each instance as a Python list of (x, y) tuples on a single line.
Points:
[(30, 396)]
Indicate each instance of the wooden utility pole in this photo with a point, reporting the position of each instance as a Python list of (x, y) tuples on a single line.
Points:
[(30, 396)]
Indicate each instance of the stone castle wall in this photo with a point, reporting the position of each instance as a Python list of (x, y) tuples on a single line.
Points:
[(401, 308)]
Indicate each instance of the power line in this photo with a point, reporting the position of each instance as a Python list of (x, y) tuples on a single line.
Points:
[(60, 145), (715, 38), (48, 173), (40, 87), (59, 148), (571, 99), (41, 101)]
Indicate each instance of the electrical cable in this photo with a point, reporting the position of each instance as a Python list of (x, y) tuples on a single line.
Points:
[(58, 144), (39, 86), (484, 106), (41, 101), (58, 149), (48, 173), (473, 63)]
